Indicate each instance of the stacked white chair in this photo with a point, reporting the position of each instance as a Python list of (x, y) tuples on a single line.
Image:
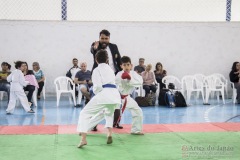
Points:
[(214, 84), (225, 82), (63, 86), (199, 82), (190, 85)]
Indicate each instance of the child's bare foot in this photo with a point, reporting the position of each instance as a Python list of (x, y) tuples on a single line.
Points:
[(109, 140), (81, 144), (137, 133)]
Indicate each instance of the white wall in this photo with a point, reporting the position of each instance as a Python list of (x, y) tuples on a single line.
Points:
[(183, 48)]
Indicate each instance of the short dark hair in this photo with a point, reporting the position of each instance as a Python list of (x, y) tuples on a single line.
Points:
[(105, 32), (75, 59), (125, 59), (101, 56), (4, 64), (18, 64)]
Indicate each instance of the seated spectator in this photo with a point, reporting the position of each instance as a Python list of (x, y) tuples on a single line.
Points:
[(30, 88), (72, 72), (149, 80), (39, 76), (235, 78), (4, 84), (141, 67), (83, 78), (159, 74)]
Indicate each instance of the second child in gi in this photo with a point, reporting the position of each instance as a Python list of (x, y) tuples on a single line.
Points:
[(127, 81)]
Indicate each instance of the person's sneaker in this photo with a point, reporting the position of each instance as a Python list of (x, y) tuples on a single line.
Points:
[(31, 111), (118, 126), (8, 112), (38, 97)]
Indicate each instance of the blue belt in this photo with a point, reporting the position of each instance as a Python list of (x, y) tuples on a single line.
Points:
[(109, 86)]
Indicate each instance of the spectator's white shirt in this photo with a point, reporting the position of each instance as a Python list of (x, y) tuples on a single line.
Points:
[(74, 72), (110, 58)]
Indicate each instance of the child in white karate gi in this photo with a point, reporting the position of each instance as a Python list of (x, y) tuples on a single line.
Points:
[(127, 80), (106, 99), (17, 80)]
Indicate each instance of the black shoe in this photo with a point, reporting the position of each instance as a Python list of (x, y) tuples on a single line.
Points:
[(94, 128), (77, 105), (118, 126)]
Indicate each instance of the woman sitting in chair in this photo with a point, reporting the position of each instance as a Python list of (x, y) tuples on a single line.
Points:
[(149, 80), (30, 88), (234, 78), (39, 76), (159, 74)]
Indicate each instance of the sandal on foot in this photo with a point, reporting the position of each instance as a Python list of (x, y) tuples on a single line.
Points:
[(109, 140)]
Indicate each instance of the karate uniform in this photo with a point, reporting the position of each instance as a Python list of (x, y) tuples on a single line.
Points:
[(105, 101), (125, 88), (17, 80)]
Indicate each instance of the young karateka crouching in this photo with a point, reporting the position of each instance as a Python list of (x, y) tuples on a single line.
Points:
[(17, 80), (106, 99), (127, 81)]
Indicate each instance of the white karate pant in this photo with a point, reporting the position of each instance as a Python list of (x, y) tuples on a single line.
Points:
[(13, 98), (93, 113), (136, 112)]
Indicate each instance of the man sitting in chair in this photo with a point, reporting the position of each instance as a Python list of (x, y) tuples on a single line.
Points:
[(83, 79)]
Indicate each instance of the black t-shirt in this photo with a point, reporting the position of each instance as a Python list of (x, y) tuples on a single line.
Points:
[(83, 75)]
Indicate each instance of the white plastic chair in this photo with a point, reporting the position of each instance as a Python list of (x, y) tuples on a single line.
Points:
[(172, 79), (199, 82), (234, 94), (1, 95), (188, 83), (44, 88), (62, 86), (225, 82), (214, 84), (34, 97)]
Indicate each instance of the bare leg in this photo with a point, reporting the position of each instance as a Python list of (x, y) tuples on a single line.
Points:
[(109, 135), (85, 93), (83, 140)]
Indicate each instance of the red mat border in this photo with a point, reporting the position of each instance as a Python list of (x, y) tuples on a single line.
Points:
[(147, 128)]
